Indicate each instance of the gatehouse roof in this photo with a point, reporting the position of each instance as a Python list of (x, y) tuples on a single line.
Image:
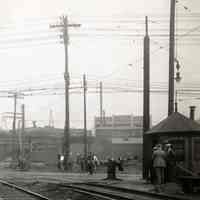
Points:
[(176, 122)]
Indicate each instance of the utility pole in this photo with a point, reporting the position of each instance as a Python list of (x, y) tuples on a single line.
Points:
[(14, 139), (23, 117), (66, 145), (14, 95), (146, 110), (23, 127), (14, 114), (101, 103), (85, 116), (104, 117), (51, 120), (171, 58), (19, 130)]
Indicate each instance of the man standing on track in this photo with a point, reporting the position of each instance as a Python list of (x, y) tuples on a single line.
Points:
[(159, 165)]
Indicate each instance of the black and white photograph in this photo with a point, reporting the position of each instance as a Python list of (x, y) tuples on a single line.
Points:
[(99, 100)]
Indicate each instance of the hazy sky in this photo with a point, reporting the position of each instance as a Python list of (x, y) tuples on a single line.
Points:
[(30, 64)]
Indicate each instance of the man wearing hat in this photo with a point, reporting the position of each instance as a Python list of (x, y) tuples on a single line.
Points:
[(159, 165)]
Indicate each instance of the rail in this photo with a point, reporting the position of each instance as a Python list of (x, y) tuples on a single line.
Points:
[(29, 192), (114, 192)]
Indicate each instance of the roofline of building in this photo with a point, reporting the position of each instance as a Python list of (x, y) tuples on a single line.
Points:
[(172, 131), (117, 128)]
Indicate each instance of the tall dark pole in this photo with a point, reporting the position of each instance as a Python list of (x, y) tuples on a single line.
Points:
[(14, 130), (146, 115), (66, 143), (23, 117), (85, 117), (101, 103), (14, 114), (66, 146), (23, 128), (171, 59)]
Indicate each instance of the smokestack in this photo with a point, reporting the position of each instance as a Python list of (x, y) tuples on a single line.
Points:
[(192, 112)]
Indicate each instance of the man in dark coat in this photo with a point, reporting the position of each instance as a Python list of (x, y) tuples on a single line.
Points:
[(171, 164), (111, 169)]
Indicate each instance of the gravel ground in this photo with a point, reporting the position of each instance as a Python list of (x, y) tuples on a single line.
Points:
[(41, 181)]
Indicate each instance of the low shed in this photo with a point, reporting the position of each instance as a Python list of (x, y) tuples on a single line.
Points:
[(184, 134)]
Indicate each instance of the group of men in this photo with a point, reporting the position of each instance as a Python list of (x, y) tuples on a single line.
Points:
[(88, 164), (163, 165), (112, 164)]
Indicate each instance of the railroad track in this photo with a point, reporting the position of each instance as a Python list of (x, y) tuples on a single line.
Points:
[(98, 191), (10, 191), (117, 193)]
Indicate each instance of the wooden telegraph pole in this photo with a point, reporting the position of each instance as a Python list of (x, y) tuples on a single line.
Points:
[(85, 117), (101, 103), (14, 113), (14, 136), (23, 128), (64, 28), (16, 96)]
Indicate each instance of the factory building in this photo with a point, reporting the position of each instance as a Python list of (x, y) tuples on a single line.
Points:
[(118, 135)]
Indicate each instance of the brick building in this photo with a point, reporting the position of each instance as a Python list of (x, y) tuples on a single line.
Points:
[(118, 135)]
